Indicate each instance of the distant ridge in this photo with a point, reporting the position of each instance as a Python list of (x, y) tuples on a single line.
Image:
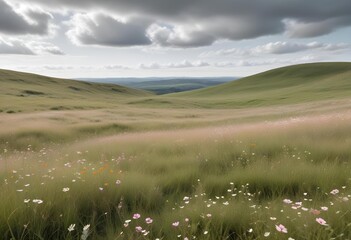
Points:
[(164, 85)]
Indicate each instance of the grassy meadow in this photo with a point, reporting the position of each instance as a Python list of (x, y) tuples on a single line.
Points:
[(139, 169)]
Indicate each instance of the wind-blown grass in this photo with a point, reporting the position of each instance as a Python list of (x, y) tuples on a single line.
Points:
[(212, 183)]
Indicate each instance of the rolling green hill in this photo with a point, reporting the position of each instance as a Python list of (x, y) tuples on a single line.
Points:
[(287, 85), (292, 84), (25, 92)]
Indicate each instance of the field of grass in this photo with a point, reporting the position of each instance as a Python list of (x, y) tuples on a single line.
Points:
[(146, 171)]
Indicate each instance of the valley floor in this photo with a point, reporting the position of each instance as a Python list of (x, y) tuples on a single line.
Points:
[(136, 173)]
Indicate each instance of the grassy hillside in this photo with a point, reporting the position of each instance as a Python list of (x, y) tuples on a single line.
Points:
[(292, 84), (26, 92)]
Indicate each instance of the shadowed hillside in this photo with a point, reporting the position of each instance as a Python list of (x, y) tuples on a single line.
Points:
[(26, 92)]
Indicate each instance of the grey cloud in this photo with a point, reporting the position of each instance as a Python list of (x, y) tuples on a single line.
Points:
[(14, 47), (184, 23), (27, 22), (17, 46), (45, 47), (299, 29), (102, 29)]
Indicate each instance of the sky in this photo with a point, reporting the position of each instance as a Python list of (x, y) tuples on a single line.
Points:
[(165, 38)]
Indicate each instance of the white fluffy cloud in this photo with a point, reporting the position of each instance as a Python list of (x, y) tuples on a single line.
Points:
[(14, 47), (288, 47), (179, 36), (277, 48), (183, 64)]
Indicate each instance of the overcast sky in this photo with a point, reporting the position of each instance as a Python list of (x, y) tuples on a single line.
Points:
[(142, 38)]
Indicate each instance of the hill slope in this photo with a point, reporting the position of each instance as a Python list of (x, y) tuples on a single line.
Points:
[(292, 84), (23, 91)]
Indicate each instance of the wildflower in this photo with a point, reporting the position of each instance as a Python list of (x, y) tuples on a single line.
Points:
[(71, 227), (148, 220), (321, 221), (281, 228), (86, 227), (273, 218), (266, 234), (136, 216), (138, 229), (175, 224), (205, 232), (186, 220), (324, 208), (85, 233), (334, 191), (186, 198), (208, 215), (287, 201), (38, 201), (315, 211), (26, 200), (118, 182), (66, 189)]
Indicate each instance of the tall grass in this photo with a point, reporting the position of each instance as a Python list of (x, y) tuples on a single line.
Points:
[(210, 183)]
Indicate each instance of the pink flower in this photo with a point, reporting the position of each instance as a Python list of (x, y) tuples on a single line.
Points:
[(136, 216), (321, 221), (281, 228), (149, 220), (315, 211), (175, 224), (138, 229)]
